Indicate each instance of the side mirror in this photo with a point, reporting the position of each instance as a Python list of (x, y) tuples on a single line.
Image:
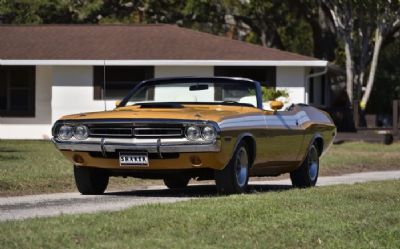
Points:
[(275, 105), (117, 103)]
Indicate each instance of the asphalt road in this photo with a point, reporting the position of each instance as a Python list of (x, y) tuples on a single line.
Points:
[(23, 207)]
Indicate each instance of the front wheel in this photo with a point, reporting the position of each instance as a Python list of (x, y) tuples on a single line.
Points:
[(307, 174), (90, 181), (233, 179)]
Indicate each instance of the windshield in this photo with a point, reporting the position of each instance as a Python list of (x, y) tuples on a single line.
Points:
[(241, 93)]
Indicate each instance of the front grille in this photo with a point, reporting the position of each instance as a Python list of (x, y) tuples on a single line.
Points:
[(115, 155), (130, 130), (111, 132), (158, 132)]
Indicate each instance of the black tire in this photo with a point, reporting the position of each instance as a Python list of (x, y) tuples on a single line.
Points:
[(176, 182), (90, 181), (307, 174), (234, 178)]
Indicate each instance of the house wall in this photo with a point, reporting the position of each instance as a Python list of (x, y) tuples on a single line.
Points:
[(73, 91), (73, 87), (171, 71), (293, 79), (63, 90), (38, 127)]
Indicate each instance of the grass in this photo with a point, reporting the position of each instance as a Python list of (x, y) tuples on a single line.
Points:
[(359, 157), (31, 167), (357, 216)]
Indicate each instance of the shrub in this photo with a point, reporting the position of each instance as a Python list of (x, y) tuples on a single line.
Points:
[(270, 93)]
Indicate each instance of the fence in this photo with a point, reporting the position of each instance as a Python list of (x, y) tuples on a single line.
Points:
[(396, 103), (394, 129)]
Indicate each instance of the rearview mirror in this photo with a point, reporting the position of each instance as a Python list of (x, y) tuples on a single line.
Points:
[(117, 103), (275, 105), (198, 87)]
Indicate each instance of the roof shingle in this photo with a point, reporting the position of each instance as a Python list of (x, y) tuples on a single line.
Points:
[(127, 42)]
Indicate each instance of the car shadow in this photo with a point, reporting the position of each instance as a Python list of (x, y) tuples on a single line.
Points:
[(8, 150), (195, 191)]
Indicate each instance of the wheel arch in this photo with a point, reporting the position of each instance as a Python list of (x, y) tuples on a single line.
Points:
[(318, 140), (301, 176), (249, 139)]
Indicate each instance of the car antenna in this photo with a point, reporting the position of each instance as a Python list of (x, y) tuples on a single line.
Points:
[(104, 85)]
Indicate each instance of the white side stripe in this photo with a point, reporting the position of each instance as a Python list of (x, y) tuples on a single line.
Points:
[(267, 121)]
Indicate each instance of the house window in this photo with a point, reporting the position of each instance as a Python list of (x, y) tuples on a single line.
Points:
[(17, 91), (119, 80), (265, 75), (311, 91), (317, 91), (323, 90)]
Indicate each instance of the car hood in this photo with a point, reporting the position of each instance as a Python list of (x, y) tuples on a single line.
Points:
[(215, 113)]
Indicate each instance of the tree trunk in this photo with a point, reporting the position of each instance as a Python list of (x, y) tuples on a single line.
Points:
[(264, 38), (349, 71), (374, 64), (360, 84), (323, 32)]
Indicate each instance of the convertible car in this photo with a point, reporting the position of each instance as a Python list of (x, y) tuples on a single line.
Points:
[(177, 129)]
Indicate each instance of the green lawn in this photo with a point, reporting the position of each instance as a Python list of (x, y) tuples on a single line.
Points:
[(345, 216), (360, 156), (28, 167), (31, 167)]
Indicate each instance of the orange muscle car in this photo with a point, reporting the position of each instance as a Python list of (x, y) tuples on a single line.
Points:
[(177, 129)]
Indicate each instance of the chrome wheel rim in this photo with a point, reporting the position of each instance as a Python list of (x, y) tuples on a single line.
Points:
[(313, 164), (241, 167)]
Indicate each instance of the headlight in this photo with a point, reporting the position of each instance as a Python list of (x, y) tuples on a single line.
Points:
[(81, 132), (193, 133), (65, 132), (209, 133)]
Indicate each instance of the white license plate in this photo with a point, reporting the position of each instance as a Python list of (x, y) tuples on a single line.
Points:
[(134, 159)]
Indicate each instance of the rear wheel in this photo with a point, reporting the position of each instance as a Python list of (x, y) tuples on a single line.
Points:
[(90, 181), (233, 179), (307, 174), (176, 182)]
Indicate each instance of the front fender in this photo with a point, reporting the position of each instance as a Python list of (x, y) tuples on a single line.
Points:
[(245, 135)]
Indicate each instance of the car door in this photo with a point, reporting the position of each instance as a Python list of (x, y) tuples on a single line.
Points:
[(283, 137)]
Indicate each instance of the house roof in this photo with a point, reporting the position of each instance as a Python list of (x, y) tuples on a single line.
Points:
[(132, 43)]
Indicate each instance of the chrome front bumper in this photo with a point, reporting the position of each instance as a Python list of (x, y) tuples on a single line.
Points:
[(166, 145)]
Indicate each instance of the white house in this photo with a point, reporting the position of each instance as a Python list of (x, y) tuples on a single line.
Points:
[(47, 71)]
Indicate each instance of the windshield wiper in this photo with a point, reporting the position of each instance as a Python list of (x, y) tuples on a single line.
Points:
[(160, 105), (232, 102)]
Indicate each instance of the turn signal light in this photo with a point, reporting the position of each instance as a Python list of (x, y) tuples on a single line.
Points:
[(78, 159), (196, 161)]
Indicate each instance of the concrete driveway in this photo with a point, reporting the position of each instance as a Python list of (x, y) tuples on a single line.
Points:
[(23, 207)]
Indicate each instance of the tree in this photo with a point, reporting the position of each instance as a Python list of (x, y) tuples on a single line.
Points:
[(388, 77), (48, 11), (142, 11), (208, 16), (322, 28), (362, 26), (262, 17)]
